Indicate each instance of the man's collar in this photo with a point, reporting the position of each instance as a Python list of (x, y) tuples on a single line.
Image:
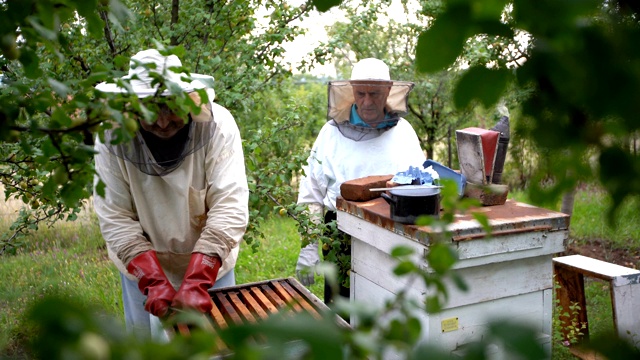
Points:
[(356, 120)]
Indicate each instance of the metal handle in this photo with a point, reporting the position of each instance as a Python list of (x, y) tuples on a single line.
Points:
[(388, 199)]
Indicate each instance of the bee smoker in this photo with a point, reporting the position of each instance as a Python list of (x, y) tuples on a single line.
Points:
[(501, 153)]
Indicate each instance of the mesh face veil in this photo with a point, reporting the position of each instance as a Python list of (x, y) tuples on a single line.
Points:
[(152, 78), (369, 79), (158, 157)]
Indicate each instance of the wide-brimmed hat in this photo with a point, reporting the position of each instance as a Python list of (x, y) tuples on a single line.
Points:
[(372, 72), (147, 68)]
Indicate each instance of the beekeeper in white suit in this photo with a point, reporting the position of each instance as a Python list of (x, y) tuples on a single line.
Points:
[(175, 206), (365, 135)]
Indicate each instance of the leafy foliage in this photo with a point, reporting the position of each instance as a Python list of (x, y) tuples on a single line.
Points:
[(272, 183), (68, 329), (583, 65), (52, 57)]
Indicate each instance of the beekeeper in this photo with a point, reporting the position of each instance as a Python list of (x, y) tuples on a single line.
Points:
[(175, 205), (365, 135)]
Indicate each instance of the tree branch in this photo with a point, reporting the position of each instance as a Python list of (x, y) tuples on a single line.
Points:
[(107, 32)]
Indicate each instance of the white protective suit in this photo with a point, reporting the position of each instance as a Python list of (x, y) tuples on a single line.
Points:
[(335, 159), (201, 206)]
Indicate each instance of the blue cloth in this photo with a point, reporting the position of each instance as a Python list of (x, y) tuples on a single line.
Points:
[(141, 323), (355, 119), (413, 176)]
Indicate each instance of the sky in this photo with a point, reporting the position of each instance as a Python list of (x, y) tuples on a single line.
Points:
[(316, 33)]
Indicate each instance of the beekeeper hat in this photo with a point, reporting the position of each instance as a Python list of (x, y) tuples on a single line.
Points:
[(370, 69), (373, 72), (148, 68)]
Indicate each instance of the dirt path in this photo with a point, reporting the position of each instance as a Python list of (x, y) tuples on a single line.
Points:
[(598, 249)]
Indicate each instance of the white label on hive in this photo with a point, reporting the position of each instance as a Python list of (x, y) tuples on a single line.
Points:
[(450, 324)]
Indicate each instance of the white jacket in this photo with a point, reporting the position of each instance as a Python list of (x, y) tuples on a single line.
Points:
[(335, 159), (202, 206)]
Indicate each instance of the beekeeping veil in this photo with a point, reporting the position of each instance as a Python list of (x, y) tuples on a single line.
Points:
[(372, 72), (154, 78)]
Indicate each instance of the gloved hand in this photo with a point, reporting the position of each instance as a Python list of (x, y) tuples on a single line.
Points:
[(200, 276), (306, 260), (153, 283)]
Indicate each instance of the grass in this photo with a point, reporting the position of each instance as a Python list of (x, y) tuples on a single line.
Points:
[(67, 258), (588, 221), (71, 258), (599, 310), (276, 257)]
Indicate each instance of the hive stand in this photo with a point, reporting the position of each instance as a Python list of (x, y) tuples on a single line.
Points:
[(624, 287)]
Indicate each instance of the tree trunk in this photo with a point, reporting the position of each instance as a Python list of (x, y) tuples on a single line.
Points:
[(449, 155), (567, 202), (175, 16)]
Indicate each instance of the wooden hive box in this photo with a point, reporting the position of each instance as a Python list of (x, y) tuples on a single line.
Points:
[(253, 302)]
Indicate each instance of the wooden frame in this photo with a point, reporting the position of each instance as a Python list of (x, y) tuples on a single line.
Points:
[(624, 285)]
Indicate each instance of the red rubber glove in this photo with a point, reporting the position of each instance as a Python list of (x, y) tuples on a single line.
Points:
[(153, 283), (199, 278)]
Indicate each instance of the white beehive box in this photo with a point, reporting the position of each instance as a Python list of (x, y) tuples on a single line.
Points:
[(509, 275)]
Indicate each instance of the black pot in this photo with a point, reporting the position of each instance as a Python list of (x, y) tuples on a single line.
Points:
[(406, 205)]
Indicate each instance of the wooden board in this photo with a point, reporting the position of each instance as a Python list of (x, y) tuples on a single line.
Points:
[(624, 286), (509, 218)]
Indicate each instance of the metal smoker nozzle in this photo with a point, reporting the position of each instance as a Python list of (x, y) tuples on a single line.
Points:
[(502, 126)]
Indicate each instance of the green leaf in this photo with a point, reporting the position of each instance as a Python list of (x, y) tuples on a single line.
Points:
[(60, 88), (84, 7), (519, 338), (147, 115), (441, 257), (485, 85), (459, 281), (440, 46), (396, 330), (483, 220), (404, 267), (399, 251), (46, 33), (95, 25), (71, 193), (31, 63), (425, 220), (433, 304), (119, 13), (60, 117), (435, 352), (48, 149), (324, 5), (414, 328), (486, 9), (322, 336), (121, 61)]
